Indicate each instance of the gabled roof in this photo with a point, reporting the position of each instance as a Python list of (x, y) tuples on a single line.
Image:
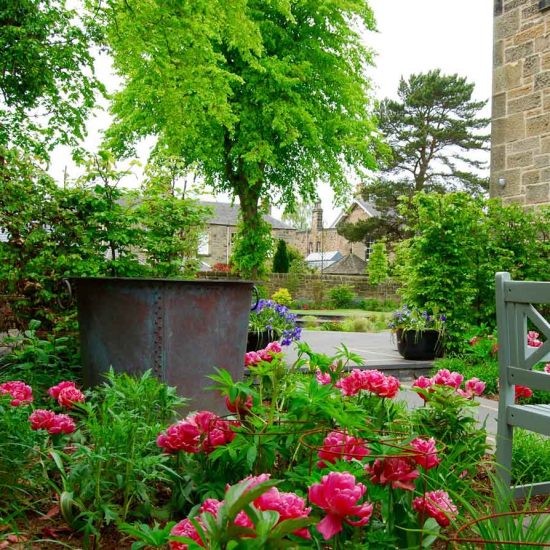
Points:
[(227, 214), (367, 207), (348, 265)]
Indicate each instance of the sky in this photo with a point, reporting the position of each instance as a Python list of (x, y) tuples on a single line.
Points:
[(413, 36)]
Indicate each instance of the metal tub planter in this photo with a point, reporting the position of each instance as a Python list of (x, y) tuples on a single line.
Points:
[(180, 330)]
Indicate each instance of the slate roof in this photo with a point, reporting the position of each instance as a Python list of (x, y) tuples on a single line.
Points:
[(227, 214), (364, 205), (322, 260), (350, 264)]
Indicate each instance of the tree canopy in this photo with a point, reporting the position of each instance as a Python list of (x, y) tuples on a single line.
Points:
[(47, 83), (264, 98), (435, 131)]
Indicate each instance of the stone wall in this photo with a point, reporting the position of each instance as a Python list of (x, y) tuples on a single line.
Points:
[(520, 152), (315, 287)]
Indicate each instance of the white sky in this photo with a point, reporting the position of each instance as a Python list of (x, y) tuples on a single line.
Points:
[(413, 36)]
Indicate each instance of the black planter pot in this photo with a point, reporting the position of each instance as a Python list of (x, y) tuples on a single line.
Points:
[(259, 340), (419, 345)]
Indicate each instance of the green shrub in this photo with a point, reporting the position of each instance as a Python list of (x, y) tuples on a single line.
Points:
[(281, 261), (530, 457), (310, 322), (115, 466), (378, 266), (40, 361), (283, 297), (342, 296), (356, 324)]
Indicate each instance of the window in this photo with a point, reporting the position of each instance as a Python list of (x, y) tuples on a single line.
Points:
[(204, 244), (310, 248), (318, 246)]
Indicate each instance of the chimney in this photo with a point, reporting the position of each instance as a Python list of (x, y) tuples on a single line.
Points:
[(317, 221)]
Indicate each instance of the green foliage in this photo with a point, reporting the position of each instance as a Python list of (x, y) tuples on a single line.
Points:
[(432, 129), (40, 361), (459, 243), (47, 81), (21, 475), (530, 458), (378, 266), (172, 224), (281, 261), (256, 95), (252, 249), (283, 297), (92, 227), (113, 470), (342, 296)]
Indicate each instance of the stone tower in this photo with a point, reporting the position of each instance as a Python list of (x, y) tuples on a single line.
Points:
[(520, 136)]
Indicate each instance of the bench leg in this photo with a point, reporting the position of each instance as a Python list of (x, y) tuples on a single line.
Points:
[(505, 438)]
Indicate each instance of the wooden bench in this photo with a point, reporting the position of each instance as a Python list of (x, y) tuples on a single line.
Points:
[(514, 304)]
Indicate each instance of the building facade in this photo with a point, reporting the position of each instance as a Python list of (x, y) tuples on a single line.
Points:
[(520, 134), (326, 239), (217, 242)]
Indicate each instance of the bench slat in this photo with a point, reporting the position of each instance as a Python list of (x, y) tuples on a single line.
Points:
[(535, 418), (532, 379), (527, 292)]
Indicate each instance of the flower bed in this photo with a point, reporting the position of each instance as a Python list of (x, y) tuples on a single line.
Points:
[(316, 461)]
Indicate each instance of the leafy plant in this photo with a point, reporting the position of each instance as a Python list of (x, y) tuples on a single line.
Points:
[(283, 297), (276, 319), (281, 261), (342, 296), (41, 361), (378, 266), (112, 471)]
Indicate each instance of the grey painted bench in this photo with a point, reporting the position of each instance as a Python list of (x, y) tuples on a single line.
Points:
[(514, 303)]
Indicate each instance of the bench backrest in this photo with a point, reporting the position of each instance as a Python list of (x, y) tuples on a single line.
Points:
[(514, 301)]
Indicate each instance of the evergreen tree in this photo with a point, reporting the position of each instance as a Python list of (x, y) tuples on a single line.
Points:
[(281, 261), (436, 134)]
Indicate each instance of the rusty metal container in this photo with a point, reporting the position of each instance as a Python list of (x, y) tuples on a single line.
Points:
[(179, 329)]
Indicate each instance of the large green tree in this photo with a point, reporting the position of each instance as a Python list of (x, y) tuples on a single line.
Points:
[(47, 83), (264, 98), (437, 138)]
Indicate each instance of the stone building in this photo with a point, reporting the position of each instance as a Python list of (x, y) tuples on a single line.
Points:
[(321, 239), (217, 243), (520, 151)]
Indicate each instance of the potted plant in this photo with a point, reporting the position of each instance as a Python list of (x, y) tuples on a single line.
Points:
[(271, 321), (419, 333)]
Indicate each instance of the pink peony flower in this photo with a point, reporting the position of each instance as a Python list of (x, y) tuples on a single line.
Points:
[(238, 406), (202, 431), (62, 424), (323, 378), (338, 495), (389, 389), (54, 390), (20, 393), (533, 339), (423, 383), (437, 505), (185, 529), (398, 472), (446, 378), (351, 384), (54, 424), (547, 368), (340, 446), (183, 436), (41, 419), (475, 386), (211, 506), (473, 341), (68, 396), (288, 505), (427, 452), (251, 359), (523, 392)]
